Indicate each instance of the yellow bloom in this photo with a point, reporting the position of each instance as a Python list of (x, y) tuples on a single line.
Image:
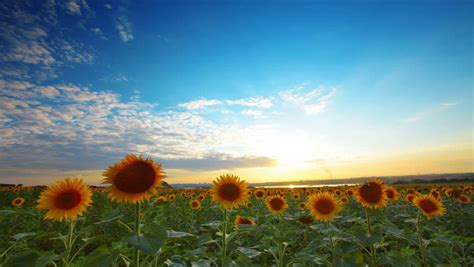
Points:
[(276, 204), (323, 206), (429, 205), (241, 220), (371, 194), (229, 191), (195, 204), (18, 201), (65, 199), (133, 179)]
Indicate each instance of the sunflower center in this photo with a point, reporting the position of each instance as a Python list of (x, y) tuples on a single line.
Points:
[(244, 221), (371, 193), (324, 206), (229, 191), (259, 194), (67, 200), (135, 178), (277, 203), (195, 204), (306, 220), (427, 205), (390, 194)]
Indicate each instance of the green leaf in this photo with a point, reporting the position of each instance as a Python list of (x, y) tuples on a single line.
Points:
[(205, 239), (101, 257), (165, 184), (250, 252), (112, 217), (213, 225), (201, 263), (23, 235), (175, 234), (149, 243), (46, 259), (196, 252), (176, 261), (7, 212), (26, 258)]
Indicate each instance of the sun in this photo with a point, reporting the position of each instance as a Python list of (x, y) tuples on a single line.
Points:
[(290, 152)]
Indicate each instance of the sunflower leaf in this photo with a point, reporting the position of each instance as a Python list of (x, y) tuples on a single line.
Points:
[(149, 243)]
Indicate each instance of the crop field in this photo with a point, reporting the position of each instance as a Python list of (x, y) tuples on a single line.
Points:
[(232, 224)]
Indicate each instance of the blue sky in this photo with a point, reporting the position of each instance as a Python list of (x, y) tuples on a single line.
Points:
[(267, 90)]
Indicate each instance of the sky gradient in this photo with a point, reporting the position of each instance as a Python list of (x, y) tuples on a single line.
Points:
[(270, 91)]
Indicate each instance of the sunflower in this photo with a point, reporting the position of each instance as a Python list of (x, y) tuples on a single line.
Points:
[(434, 193), (248, 205), (133, 179), (349, 192), (344, 200), (464, 199), (276, 204), (429, 205), (171, 197), (324, 206), (241, 220), (302, 205), (391, 193), (229, 191), (306, 220), (65, 199), (18, 202), (371, 194), (296, 195), (195, 204), (160, 199), (410, 197)]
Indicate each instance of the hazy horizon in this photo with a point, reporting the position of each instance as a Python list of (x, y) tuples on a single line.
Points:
[(281, 90)]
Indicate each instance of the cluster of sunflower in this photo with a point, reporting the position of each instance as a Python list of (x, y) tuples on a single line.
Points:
[(136, 179)]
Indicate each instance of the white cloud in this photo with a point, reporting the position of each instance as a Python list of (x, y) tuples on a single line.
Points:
[(17, 85), (312, 102), (252, 113), (199, 104), (99, 33), (73, 7), (124, 28), (259, 102), (68, 125)]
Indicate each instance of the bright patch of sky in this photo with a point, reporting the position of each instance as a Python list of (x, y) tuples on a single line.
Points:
[(268, 90)]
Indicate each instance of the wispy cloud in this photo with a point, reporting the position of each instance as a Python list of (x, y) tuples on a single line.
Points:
[(259, 102), (199, 104), (32, 44), (252, 113), (73, 7), (312, 102), (124, 28), (422, 115)]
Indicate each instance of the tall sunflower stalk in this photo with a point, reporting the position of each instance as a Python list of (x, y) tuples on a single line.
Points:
[(229, 192)]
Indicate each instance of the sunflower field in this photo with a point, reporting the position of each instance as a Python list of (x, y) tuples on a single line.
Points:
[(137, 219)]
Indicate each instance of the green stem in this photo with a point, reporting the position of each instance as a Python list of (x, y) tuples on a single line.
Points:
[(224, 237), (136, 254), (420, 240), (69, 243), (333, 248), (373, 252)]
